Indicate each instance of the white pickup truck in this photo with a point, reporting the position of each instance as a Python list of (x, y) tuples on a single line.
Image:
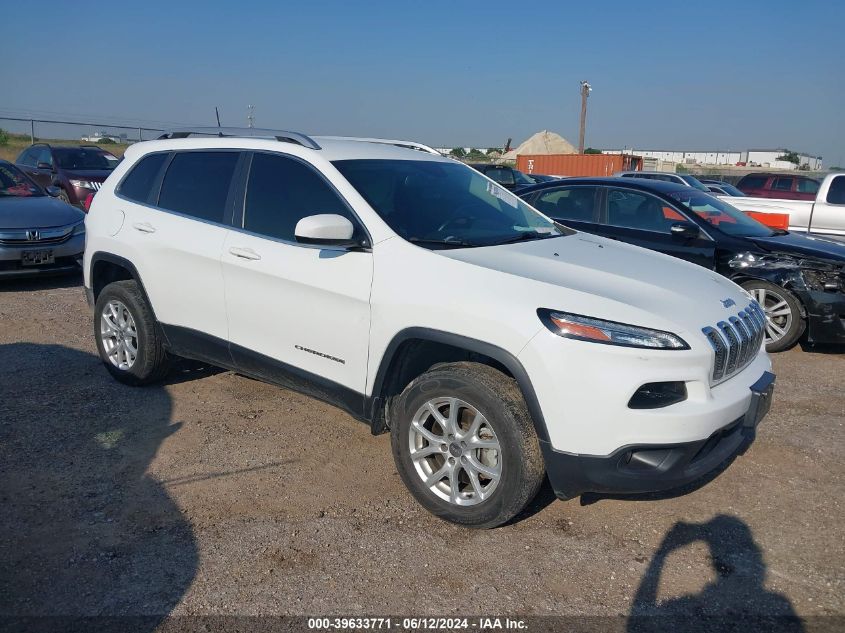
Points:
[(825, 214)]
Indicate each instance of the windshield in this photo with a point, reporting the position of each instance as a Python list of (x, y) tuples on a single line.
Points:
[(84, 158), (15, 185), (730, 190), (723, 216), (444, 205), (692, 181)]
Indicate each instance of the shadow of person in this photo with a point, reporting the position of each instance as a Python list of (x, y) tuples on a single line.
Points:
[(84, 530), (736, 601)]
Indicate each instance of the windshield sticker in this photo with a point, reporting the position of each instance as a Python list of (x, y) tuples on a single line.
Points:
[(502, 194)]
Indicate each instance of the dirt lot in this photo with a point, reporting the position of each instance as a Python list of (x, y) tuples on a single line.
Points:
[(216, 494)]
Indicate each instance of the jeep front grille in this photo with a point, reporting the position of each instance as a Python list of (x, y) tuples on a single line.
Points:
[(736, 341)]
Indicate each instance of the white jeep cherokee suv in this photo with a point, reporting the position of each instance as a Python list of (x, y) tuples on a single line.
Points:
[(422, 298)]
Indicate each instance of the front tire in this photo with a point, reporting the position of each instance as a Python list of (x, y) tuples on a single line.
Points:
[(127, 335), (465, 446), (784, 323)]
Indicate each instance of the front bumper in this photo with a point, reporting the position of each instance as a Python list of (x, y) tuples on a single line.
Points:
[(653, 468), (67, 258), (825, 317)]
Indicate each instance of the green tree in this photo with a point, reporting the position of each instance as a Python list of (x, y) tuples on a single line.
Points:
[(592, 150), (458, 152), (475, 153), (494, 150), (4, 137), (106, 141), (790, 157)]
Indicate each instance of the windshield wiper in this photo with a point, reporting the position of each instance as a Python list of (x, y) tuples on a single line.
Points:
[(528, 235), (446, 243)]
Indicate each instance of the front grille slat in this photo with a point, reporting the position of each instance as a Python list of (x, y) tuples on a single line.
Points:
[(735, 342)]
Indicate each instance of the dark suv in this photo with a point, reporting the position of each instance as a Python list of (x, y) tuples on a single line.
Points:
[(784, 186), (504, 175), (78, 171)]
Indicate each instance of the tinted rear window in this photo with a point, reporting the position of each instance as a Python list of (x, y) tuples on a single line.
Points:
[(197, 184), (138, 183), (752, 182)]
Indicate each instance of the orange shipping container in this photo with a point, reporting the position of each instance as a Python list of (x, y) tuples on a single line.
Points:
[(577, 164)]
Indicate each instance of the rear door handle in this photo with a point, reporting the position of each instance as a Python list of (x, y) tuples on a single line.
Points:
[(144, 227), (244, 253)]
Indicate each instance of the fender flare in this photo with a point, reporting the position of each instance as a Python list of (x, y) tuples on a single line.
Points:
[(508, 360), (102, 256)]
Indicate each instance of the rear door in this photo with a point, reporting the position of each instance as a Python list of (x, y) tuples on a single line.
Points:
[(576, 206), (640, 218), (176, 236), (829, 213)]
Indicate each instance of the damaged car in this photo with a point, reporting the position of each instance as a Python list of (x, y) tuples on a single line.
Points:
[(798, 278)]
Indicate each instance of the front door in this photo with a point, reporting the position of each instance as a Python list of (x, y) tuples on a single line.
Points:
[(298, 314), (639, 218)]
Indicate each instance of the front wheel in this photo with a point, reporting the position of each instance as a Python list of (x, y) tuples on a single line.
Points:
[(784, 323), (465, 446)]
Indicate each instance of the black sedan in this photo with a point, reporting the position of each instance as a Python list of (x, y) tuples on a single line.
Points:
[(38, 233), (798, 278)]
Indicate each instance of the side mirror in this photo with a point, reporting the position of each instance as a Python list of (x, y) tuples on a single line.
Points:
[(684, 230), (53, 191), (43, 165), (326, 229)]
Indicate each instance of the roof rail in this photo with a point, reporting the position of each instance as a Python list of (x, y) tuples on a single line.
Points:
[(406, 144), (284, 136)]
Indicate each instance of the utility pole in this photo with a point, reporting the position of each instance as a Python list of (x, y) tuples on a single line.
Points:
[(585, 92), (250, 118)]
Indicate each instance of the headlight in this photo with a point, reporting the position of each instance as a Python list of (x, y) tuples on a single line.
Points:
[(79, 228), (82, 184), (585, 328)]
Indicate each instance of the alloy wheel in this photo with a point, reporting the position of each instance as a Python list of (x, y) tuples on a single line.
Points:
[(779, 315), (455, 451), (119, 335)]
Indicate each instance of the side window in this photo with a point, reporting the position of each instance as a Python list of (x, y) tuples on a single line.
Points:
[(501, 175), (575, 203), (836, 193), (197, 184), (137, 185), (752, 182), (637, 210), (782, 184), (805, 185), (281, 191)]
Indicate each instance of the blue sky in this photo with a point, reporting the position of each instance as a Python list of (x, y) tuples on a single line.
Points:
[(666, 75)]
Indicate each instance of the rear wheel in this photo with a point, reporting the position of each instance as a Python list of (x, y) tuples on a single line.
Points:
[(127, 335), (465, 446), (784, 323)]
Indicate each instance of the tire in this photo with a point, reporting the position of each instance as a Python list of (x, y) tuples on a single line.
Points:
[(784, 323), (120, 306), (482, 499)]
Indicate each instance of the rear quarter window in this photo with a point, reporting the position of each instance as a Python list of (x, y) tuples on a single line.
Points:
[(138, 183), (752, 182)]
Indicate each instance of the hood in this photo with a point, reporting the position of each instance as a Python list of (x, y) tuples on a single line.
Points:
[(803, 245), (97, 175), (650, 288), (36, 212)]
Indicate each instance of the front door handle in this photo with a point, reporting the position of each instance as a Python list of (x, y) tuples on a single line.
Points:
[(144, 227), (244, 253)]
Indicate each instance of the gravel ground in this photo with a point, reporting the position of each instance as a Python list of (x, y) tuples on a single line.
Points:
[(214, 494)]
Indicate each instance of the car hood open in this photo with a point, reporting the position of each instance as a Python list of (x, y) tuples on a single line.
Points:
[(36, 212)]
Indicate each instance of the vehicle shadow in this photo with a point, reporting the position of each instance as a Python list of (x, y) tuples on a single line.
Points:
[(820, 348), (84, 529), (737, 600), (28, 284)]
